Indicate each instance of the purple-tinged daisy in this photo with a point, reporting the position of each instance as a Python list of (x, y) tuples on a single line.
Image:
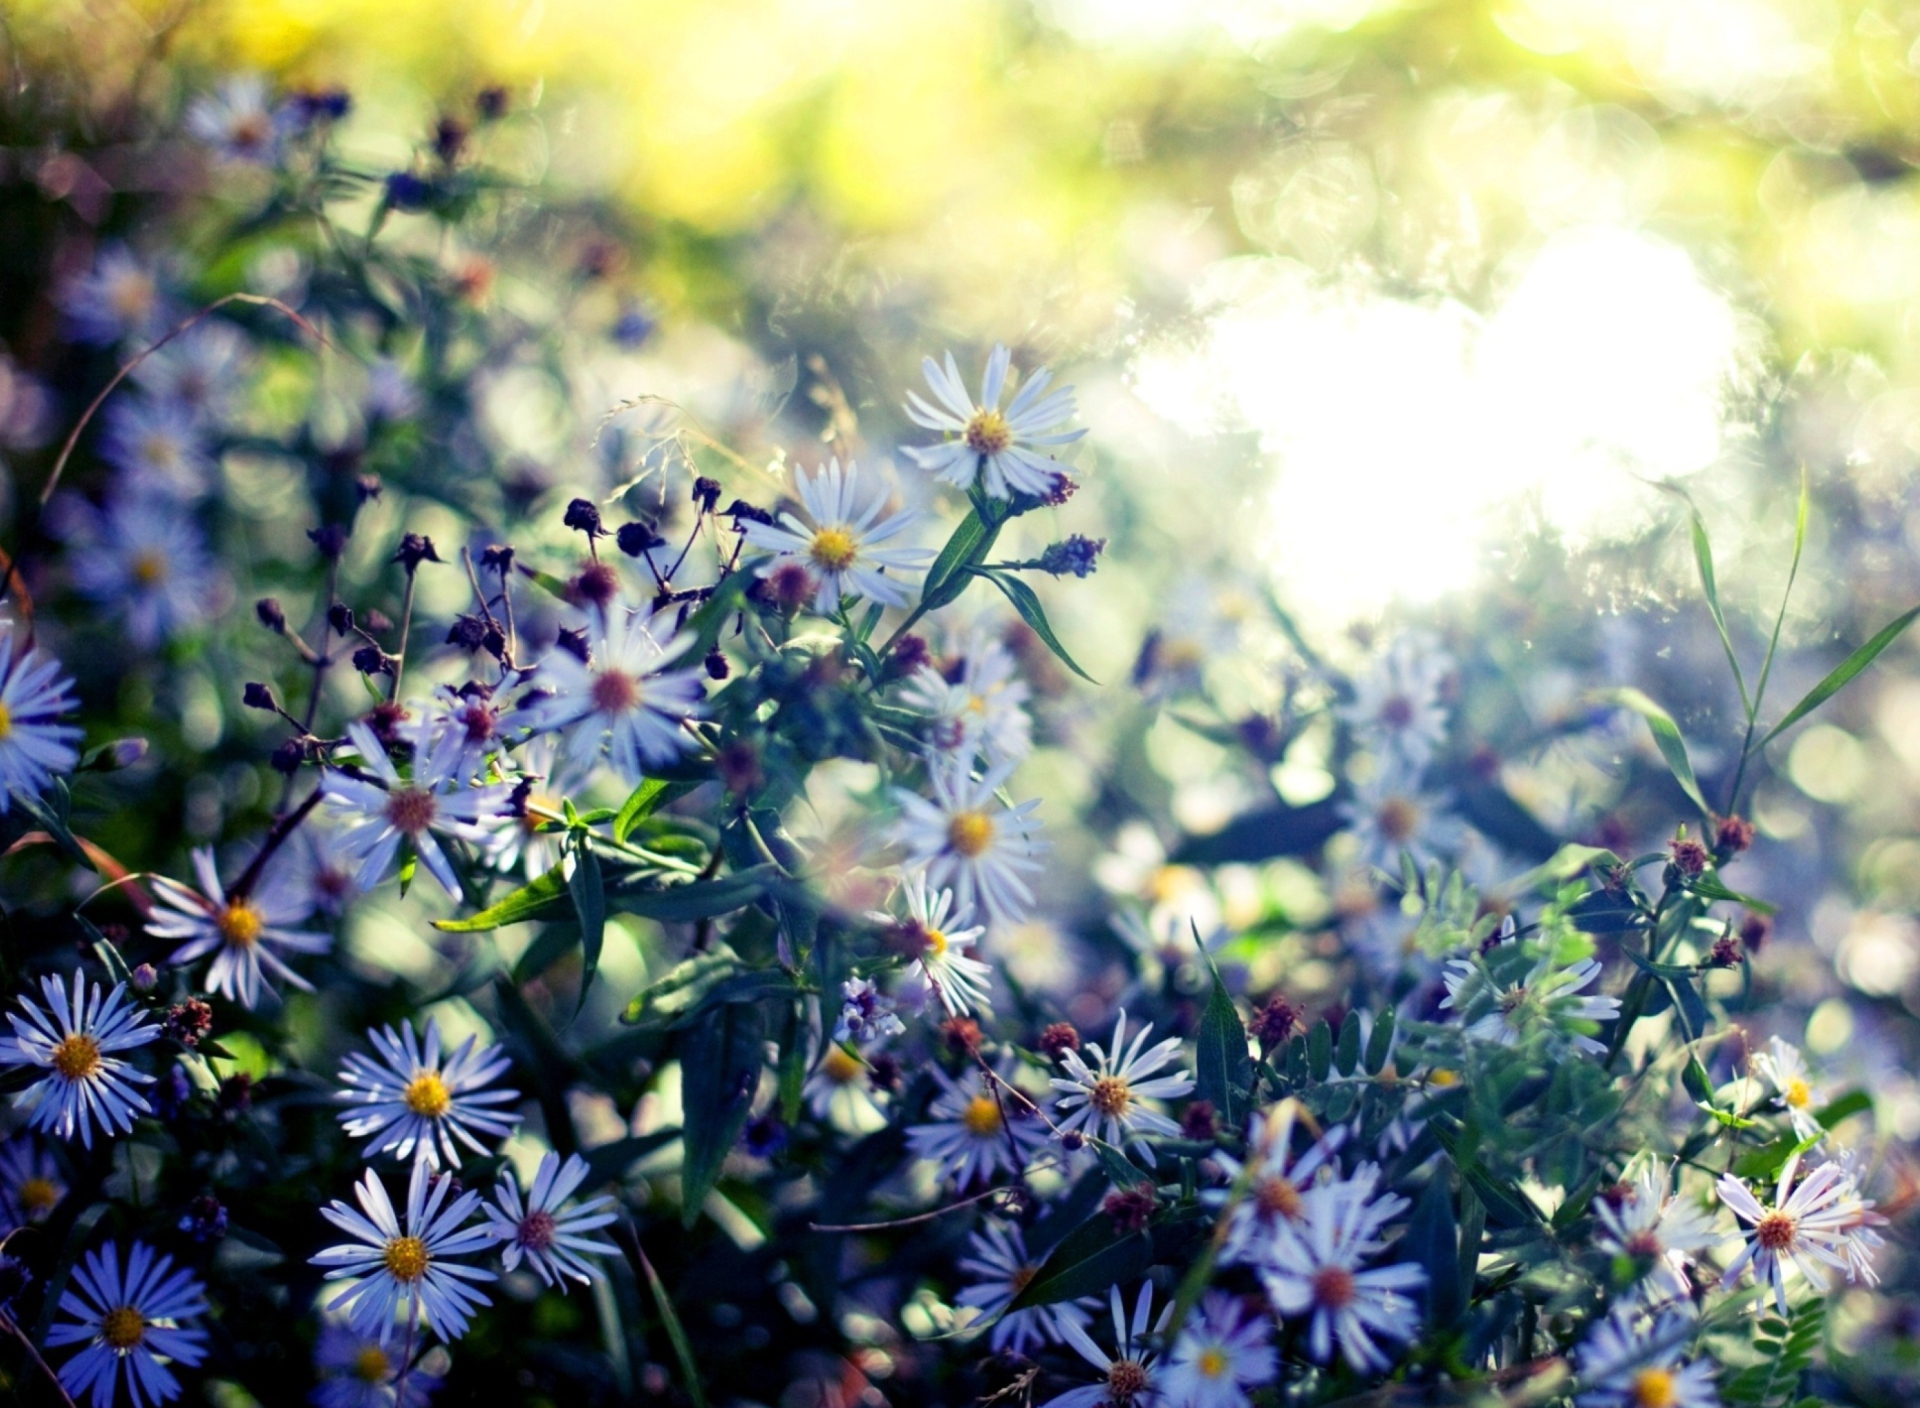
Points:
[(542, 1230), (240, 931), (133, 1320), (842, 546), (357, 1371), (73, 1041), (1109, 1100), (993, 446), (384, 810), (33, 748), (970, 841), (144, 559), (415, 1102), (622, 699), (120, 297)]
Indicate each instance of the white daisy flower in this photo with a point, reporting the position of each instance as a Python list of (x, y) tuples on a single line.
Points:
[(237, 120), (31, 1185), (1276, 1182), (242, 932), (550, 1236), (1623, 1367), (975, 1131), (132, 1320), (157, 447), (841, 547), (943, 939), (1654, 1224), (1500, 1007), (840, 1092), (73, 1041), (410, 1265), (414, 1102), (120, 297), (998, 1262), (33, 748), (968, 840), (994, 446), (516, 839), (1390, 816), (1807, 1229), (980, 713), (384, 811), (1786, 1071), (622, 699), (144, 560), (357, 1371), (1314, 1268), (1221, 1353), (471, 722), (1109, 1100), (1396, 713), (1129, 1376)]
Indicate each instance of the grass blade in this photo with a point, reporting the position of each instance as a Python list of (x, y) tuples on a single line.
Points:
[(1843, 674), (1666, 735)]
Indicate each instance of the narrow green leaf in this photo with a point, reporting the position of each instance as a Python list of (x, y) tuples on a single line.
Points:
[(676, 1332), (700, 899), (1034, 614), (1703, 559), (947, 578), (1346, 1049), (1089, 1259), (1223, 1067), (590, 904), (682, 988), (1666, 735), (1120, 1170), (640, 805), (1854, 1102), (1843, 674), (534, 900), (109, 956), (719, 1069)]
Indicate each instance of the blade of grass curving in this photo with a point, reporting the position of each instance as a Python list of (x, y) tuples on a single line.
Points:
[(1666, 736), (1703, 560), (1843, 674)]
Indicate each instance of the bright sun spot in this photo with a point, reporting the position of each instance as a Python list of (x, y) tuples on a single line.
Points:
[(1400, 427)]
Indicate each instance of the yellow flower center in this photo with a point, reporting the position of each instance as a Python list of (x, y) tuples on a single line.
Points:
[(239, 924), (427, 1095), (833, 549), (39, 1194), (982, 1115), (969, 833), (937, 943), (123, 1328), (1110, 1096), (1653, 1388), (6, 722), (160, 451), (77, 1056), (1212, 1362), (839, 1067), (614, 692), (149, 569), (405, 1258), (1798, 1094), (988, 433), (371, 1365), (976, 704), (1181, 653)]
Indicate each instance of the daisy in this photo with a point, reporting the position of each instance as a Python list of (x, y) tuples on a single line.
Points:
[(992, 445), (941, 943), (356, 1371), (550, 1236), (240, 931), (1314, 1268), (1204, 621), (1396, 713), (198, 372), (414, 1103), (118, 298), (841, 547), (998, 1262), (394, 1264), (1108, 1100), (1807, 1229), (385, 810), (144, 559), (980, 712), (1389, 816), (316, 865), (237, 120), (1500, 1007), (1129, 1375), (1274, 1182), (1650, 1223), (840, 1092), (33, 748), (157, 447), (1786, 1071), (622, 699), (976, 1131), (971, 841), (1220, 1354), (30, 1181), (541, 778), (84, 1083), (129, 1320), (1624, 1367), (468, 721)]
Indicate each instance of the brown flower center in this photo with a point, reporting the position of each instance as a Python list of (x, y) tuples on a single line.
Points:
[(1333, 1287), (1397, 819), (614, 692), (988, 433), (77, 1056), (1277, 1197), (1776, 1231), (1126, 1380), (969, 833), (38, 1195), (123, 1328), (1111, 1096), (371, 1365), (149, 569), (411, 809), (427, 1095), (536, 1231), (405, 1258)]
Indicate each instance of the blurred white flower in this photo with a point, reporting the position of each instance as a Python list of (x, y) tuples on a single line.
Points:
[(843, 546)]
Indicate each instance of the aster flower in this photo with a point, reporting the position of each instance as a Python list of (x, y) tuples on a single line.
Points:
[(470, 721), (198, 372), (1275, 1181), (414, 1102), (1624, 1366), (1204, 621), (1389, 815), (1220, 1354), (1314, 1268), (998, 1262), (33, 748), (411, 1264), (549, 1235), (993, 446), (969, 840), (242, 932), (357, 1371), (1396, 713), (866, 1014), (73, 1041), (316, 865), (1786, 1071), (31, 1185), (622, 699), (980, 713), (541, 778), (118, 298), (131, 1319), (840, 1091), (237, 121), (943, 939), (1808, 1228), (975, 1131), (144, 560), (385, 810), (157, 447), (1500, 1004), (842, 546), (1650, 1222), (1129, 1376), (1109, 1100)]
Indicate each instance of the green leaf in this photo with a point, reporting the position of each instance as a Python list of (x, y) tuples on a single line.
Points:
[(1854, 1102), (1698, 1083), (1666, 735), (1346, 1050), (719, 1069), (1433, 1241), (534, 900), (1703, 559), (1320, 1051), (607, 1163), (55, 825), (1120, 1170), (1223, 1067), (698, 899), (590, 904), (683, 988), (1708, 888), (1692, 1007), (1380, 1043), (553, 943), (1034, 614), (110, 958), (640, 804), (676, 1332), (948, 577), (1565, 863), (1089, 1259), (1843, 674)]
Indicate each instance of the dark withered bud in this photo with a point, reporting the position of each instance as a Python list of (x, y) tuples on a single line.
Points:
[(468, 632), (189, 1022), (789, 586), (1131, 1208), (494, 642), (1073, 1141), (1058, 1039), (449, 138), (574, 643), (1689, 856), (288, 756), (236, 1094), (716, 663), (962, 1035), (376, 622), (583, 517), (415, 548), (1732, 835), (597, 585), (1064, 487), (385, 719), (1725, 952), (706, 493), (368, 487), (498, 557), (258, 696), (909, 653), (883, 1069), (340, 618), (1755, 930), (145, 978), (491, 103), (1077, 556), (637, 539), (372, 660), (739, 767), (740, 511), (1275, 1022), (330, 539), (270, 614), (205, 1219)]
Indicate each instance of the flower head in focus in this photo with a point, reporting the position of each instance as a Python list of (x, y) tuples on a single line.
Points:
[(543, 1231), (942, 941), (970, 841), (622, 699), (980, 712), (133, 1318), (73, 1040), (1113, 1099), (1315, 1268), (844, 547), (417, 1102), (977, 1129), (1130, 1376), (1810, 1227), (242, 932), (1785, 1069), (994, 446)]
